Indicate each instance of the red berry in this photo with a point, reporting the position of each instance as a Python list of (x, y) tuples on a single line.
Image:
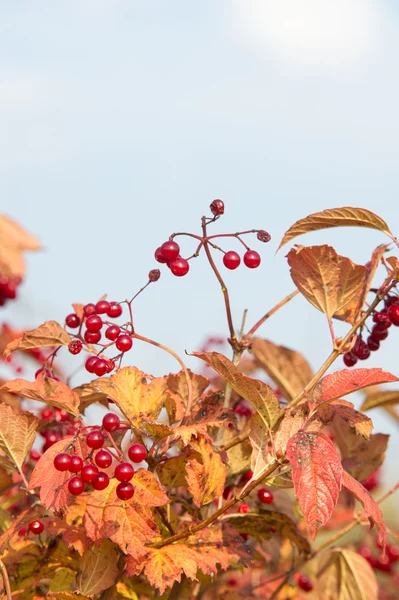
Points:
[(361, 350), (244, 536), (378, 333), (115, 310), (383, 564), (91, 363), (263, 236), (112, 332), (61, 415), (231, 260), (170, 250), (62, 461), (101, 481), (111, 422), (36, 527), (102, 307), (350, 359), (110, 365), (179, 266), (89, 309), (52, 437), (124, 491), (265, 496), (100, 368), (94, 323), (251, 259), (89, 473), (22, 532), (159, 257), (243, 411), (393, 312), (76, 486), (393, 553), (124, 342), (76, 464), (232, 582), (217, 207), (103, 459), (304, 583), (95, 439), (227, 492), (154, 275), (247, 476), (243, 509), (372, 343), (46, 372), (371, 482), (366, 552), (47, 414), (382, 319), (92, 337), (137, 453), (75, 346), (124, 471), (72, 321), (34, 455)]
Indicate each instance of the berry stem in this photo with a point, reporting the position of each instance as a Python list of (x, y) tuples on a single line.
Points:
[(164, 519), (271, 312), (111, 439), (6, 580)]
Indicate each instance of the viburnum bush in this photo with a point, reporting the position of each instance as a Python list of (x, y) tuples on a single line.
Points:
[(194, 486)]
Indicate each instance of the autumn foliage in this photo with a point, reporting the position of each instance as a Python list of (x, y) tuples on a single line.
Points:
[(254, 478)]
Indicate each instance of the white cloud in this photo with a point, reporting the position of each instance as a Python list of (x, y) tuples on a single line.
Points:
[(310, 33)]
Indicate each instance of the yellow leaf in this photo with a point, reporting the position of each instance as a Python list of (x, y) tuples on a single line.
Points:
[(17, 433), (206, 479), (48, 334), (89, 395), (345, 575), (98, 569), (336, 217)]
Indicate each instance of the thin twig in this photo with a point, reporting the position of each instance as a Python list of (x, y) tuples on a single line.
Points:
[(269, 314), (6, 580)]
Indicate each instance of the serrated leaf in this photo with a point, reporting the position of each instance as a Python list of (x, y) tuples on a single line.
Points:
[(345, 575), (256, 392), (48, 334), (17, 433), (45, 389), (332, 283), (341, 408), (347, 381), (205, 479), (288, 427), (134, 395), (371, 509), (147, 489), (380, 399), (317, 476), (336, 217), (98, 569), (74, 535), (287, 368)]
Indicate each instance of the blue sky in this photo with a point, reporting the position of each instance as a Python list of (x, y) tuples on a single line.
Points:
[(121, 120)]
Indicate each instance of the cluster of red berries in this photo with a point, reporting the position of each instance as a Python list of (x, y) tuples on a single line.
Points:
[(90, 473), (382, 320), (381, 563), (169, 254), (8, 288), (55, 425)]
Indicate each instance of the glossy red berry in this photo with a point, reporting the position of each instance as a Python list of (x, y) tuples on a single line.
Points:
[(111, 422), (95, 439), (305, 584), (90, 363), (75, 346), (103, 459), (112, 332), (170, 250), (217, 207), (47, 414), (101, 481), (92, 337), (35, 455), (251, 259), (137, 453), (36, 527), (52, 437), (89, 473), (263, 236), (89, 309), (76, 486), (372, 343), (76, 464), (124, 342), (393, 312), (154, 275), (350, 359), (110, 365), (124, 471), (102, 307), (125, 491), (265, 496), (361, 350), (382, 319), (159, 257), (62, 461), (115, 310), (100, 368), (72, 321), (378, 333), (179, 266), (243, 509), (231, 260), (94, 323)]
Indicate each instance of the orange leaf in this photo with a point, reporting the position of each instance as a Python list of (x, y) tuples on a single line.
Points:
[(74, 536), (336, 217), (13, 241), (347, 381), (178, 392), (362, 424), (17, 433), (317, 476), (330, 282), (48, 334), (206, 479)]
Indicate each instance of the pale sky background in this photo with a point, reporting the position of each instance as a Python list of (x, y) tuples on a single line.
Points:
[(121, 120)]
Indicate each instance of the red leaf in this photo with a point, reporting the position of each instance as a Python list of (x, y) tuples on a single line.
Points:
[(317, 476), (371, 508), (347, 381)]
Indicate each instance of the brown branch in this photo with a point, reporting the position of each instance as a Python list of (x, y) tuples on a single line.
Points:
[(6, 580), (238, 440)]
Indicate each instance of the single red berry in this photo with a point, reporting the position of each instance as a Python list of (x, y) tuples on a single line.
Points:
[(159, 257), (137, 453), (92, 337), (22, 532), (393, 312), (231, 260), (125, 491), (124, 342), (34, 455), (217, 207), (62, 461), (366, 552), (227, 492), (304, 583), (76, 464), (72, 321), (170, 250), (265, 496), (103, 459), (383, 564), (154, 275), (36, 527), (100, 368), (350, 359), (179, 266), (110, 365), (89, 309), (102, 307), (47, 414), (94, 323), (247, 476), (91, 363), (243, 411), (361, 350), (243, 509), (89, 473), (111, 422), (52, 437), (263, 236), (76, 485), (112, 332), (95, 439), (378, 333), (124, 471), (101, 481), (61, 415), (372, 343), (393, 553), (372, 481), (115, 310), (75, 346), (232, 582), (382, 319), (251, 259)]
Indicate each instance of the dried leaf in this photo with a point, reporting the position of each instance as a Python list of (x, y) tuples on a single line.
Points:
[(205, 479), (48, 334), (259, 437), (336, 217), (178, 392), (17, 433), (371, 267), (341, 408), (287, 368), (257, 393), (98, 569), (347, 381), (317, 476), (332, 283), (74, 535), (5, 478), (288, 427), (89, 395), (380, 399), (13, 241), (172, 472), (345, 575)]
